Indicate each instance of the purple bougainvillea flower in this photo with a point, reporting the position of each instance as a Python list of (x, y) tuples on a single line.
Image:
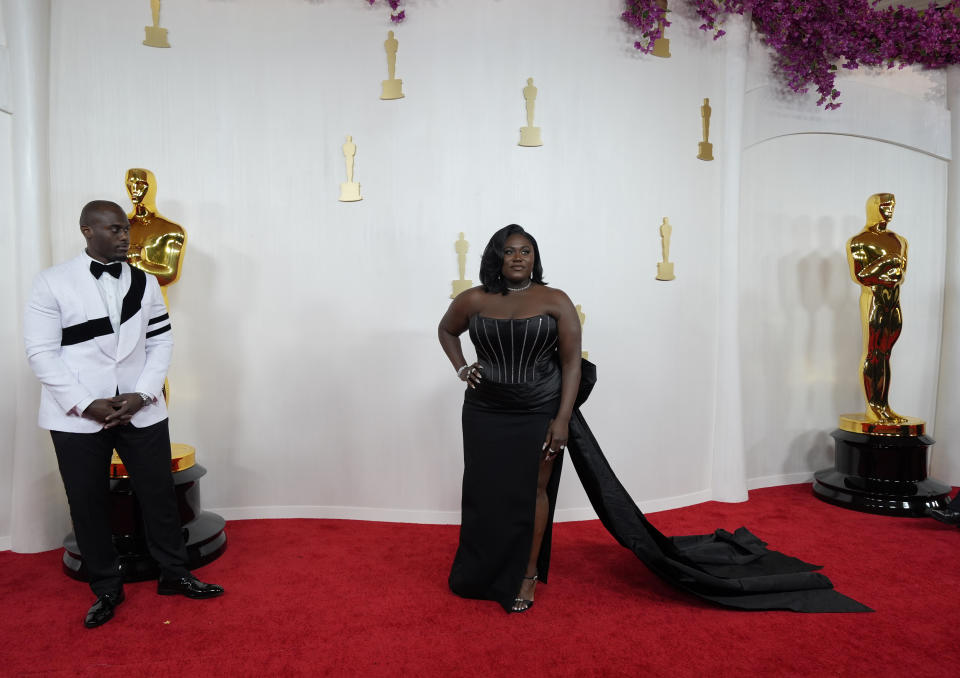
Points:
[(811, 37)]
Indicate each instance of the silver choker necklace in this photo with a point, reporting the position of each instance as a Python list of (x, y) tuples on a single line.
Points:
[(520, 289)]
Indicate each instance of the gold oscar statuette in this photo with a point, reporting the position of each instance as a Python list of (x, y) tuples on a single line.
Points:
[(156, 243), (881, 457), (391, 88), (350, 191), (530, 135), (661, 47), (705, 148), (461, 285), (156, 247), (156, 36), (878, 263), (583, 319), (665, 267)]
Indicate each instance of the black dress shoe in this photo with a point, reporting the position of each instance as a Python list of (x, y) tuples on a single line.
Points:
[(945, 515), (102, 611), (190, 586)]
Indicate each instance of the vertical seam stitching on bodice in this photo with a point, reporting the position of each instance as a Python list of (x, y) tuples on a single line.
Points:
[(534, 346), (502, 353), (545, 347), (523, 347), (483, 324)]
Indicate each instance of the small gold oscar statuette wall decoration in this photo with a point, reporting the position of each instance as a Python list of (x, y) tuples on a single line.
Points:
[(530, 135), (461, 285), (156, 36), (391, 88), (350, 191), (665, 267), (583, 319), (661, 48), (705, 148)]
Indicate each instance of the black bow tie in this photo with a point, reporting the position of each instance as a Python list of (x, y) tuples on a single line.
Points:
[(97, 269)]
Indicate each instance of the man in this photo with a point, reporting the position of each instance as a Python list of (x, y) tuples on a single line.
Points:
[(97, 336)]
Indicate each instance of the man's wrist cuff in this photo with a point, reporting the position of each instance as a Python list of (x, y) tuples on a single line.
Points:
[(80, 407)]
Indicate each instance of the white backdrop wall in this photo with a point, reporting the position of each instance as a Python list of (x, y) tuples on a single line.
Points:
[(306, 369)]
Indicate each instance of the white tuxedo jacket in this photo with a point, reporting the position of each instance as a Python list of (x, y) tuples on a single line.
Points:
[(74, 352)]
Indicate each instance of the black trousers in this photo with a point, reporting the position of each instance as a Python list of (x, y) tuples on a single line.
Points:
[(84, 460)]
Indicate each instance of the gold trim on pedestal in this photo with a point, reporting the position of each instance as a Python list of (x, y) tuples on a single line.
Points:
[(858, 423), (182, 457)]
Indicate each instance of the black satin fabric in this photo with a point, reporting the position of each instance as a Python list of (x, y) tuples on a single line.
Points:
[(731, 569), (504, 426)]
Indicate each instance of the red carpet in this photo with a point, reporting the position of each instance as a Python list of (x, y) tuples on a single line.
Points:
[(350, 598)]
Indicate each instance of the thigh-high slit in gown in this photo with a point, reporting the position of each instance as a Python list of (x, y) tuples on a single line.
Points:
[(505, 421)]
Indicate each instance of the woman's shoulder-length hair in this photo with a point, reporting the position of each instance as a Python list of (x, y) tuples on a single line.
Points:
[(491, 263)]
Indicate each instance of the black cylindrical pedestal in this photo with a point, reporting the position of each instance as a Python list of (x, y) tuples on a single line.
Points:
[(202, 530), (881, 474)]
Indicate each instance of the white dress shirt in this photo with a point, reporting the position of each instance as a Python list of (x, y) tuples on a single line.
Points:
[(112, 296)]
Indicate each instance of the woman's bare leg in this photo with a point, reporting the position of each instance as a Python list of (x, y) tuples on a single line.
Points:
[(539, 527)]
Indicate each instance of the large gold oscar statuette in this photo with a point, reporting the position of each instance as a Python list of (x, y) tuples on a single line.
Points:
[(881, 456), (156, 36), (661, 48), (665, 267), (391, 88), (156, 243), (878, 262), (583, 320), (705, 148), (530, 135), (156, 247), (350, 191), (461, 285)]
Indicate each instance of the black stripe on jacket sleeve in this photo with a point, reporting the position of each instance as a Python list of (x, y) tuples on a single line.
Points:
[(160, 330)]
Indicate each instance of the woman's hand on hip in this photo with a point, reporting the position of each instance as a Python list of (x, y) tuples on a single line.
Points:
[(473, 375)]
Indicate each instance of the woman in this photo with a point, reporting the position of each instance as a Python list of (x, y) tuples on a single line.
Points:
[(519, 412), (516, 416)]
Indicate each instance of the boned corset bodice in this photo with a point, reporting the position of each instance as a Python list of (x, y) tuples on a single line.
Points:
[(515, 350)]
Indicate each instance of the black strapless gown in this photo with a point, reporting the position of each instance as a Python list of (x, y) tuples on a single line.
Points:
[(504, 424)]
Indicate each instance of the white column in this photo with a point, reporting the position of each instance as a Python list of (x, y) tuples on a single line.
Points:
[(728, 477), (38, 518), (946, 453)]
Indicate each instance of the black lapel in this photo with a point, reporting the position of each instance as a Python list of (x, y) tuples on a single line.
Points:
[(134, 297)]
